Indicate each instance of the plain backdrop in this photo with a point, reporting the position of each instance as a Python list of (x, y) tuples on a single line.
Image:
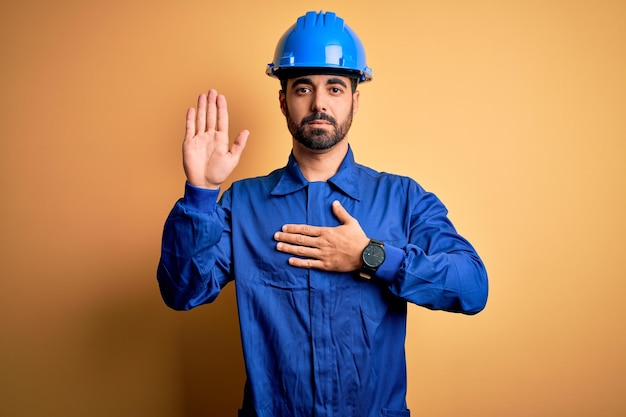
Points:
[(512, 112)]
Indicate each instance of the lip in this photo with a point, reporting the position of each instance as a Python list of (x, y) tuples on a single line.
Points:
[(319, 122)]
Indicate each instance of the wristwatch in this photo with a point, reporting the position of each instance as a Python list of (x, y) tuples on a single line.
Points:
[(372, 257)]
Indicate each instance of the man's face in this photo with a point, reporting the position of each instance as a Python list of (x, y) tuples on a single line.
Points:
[(319, 109)]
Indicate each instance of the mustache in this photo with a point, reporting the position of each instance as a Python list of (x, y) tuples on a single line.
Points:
[(319, 116)]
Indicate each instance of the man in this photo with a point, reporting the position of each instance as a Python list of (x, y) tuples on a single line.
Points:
[(325, 253)]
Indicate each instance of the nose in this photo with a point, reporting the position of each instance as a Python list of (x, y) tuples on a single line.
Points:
[(318, 104)]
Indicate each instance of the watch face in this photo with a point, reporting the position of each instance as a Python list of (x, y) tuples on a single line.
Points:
[(373, 256)]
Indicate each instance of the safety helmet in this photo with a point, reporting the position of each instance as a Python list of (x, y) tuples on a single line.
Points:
[(319, 43)]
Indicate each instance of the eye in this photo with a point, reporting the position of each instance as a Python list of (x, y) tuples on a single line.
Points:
[(336, 90), (303, 90)]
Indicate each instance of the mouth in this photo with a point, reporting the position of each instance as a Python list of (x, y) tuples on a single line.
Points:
[(318, 122)]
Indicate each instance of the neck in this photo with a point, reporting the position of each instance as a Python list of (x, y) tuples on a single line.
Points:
[(320, 165)]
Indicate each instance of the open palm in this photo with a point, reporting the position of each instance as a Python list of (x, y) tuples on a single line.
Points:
[(208, 157)]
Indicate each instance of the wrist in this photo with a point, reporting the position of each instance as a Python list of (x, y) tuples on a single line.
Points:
[(200, 199), (204, 185), (372, 258)]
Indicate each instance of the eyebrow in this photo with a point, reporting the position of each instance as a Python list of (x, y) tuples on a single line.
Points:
[(330, 81)]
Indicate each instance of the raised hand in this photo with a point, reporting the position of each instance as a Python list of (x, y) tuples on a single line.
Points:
[(208, 157), (327, 248)]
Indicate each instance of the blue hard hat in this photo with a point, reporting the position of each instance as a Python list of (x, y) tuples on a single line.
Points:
[(319, 43)]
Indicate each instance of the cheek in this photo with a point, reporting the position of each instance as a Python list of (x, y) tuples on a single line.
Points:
[(294, 110)]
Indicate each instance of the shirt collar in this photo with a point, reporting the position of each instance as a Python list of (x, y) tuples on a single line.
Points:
[(345, 179)]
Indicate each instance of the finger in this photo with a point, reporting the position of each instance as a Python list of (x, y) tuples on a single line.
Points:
[(240, 143), (303, 229), (306, 263), (341, 213), (190, 125), (303, 251), (294, 240), (200, 115), (222, 113), (211, 111)]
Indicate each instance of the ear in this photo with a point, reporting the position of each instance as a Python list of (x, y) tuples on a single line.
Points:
[(355, 102), (282, 99)]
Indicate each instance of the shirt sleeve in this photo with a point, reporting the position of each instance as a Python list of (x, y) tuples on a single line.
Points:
[(195, 260), (438, 268)]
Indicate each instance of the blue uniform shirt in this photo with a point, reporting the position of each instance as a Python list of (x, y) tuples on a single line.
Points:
[(320, 343)]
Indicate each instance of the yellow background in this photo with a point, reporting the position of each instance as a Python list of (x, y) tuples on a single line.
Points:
[(513, 112)]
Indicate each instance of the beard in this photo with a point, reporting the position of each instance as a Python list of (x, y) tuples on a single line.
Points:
[(318, 139)]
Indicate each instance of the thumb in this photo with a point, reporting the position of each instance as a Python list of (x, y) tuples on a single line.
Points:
[(341, 213), (240, 143)]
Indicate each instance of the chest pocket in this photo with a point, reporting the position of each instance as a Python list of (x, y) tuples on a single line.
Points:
[(278, 276)]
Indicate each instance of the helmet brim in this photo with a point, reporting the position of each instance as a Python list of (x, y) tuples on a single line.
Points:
[(295, 72)]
